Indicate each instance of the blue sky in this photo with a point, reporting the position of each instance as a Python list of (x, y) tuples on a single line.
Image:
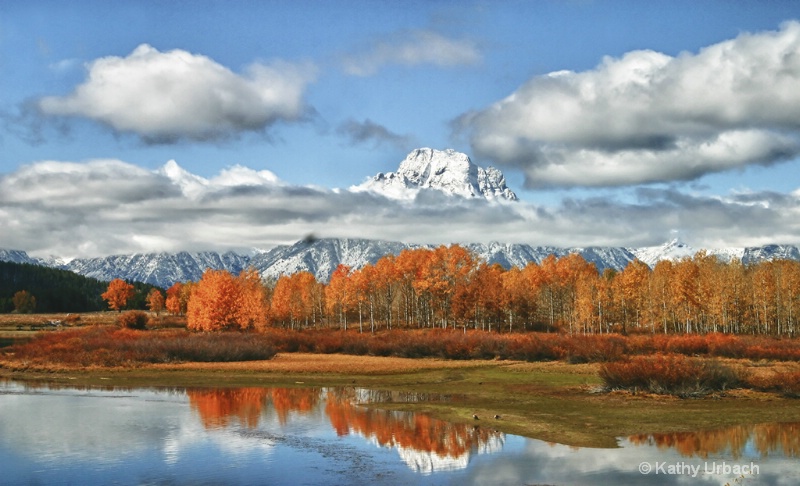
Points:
[(325, 94)]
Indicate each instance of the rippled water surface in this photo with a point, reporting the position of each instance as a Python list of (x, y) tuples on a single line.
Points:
[(55, 435)]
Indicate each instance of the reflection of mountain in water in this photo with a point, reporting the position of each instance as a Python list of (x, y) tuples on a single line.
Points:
[(765, 439), (425, 444)]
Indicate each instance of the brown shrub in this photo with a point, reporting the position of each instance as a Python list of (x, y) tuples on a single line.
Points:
[(133, 320)]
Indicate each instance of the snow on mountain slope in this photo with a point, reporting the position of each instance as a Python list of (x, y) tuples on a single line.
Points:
[(675, 250), (162, 269), (18, 256), (321, 256), (770, 252), (519, 255), (445, 170)]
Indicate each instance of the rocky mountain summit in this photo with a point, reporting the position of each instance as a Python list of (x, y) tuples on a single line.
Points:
[(448, 171)]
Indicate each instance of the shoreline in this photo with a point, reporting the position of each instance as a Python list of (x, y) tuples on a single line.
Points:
[(551, 401)]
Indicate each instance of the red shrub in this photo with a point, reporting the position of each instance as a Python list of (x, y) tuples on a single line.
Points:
[(669, 374)]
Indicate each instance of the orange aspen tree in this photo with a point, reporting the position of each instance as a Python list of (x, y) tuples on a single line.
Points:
[(630, 287), (293, 298), (365, 283), (685, 292), (252, 306), (173, 301), (118, 294), (516, 295), (447, 270), (155, 301), (213, 303), (388, 276), (571, 270), (336, 296), (409, 264), (281, 308), (661, 290)]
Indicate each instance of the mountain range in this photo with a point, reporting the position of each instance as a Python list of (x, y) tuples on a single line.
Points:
[(322, 256), (423, 169)]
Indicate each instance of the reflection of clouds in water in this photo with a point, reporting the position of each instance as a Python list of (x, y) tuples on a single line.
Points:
[(541, 462), (229, 441), (105, 427), (93, 426), (427, 462)]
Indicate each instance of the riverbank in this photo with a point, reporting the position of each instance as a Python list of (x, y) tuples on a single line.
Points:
[(553, 401)]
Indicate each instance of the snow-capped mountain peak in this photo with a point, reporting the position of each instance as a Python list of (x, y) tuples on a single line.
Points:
[(445, 170), (676, 249)]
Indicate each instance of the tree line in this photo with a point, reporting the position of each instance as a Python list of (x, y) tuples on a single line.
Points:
[(33, 288), (450, 287)]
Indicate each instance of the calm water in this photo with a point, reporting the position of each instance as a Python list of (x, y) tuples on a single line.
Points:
[(54, 435)]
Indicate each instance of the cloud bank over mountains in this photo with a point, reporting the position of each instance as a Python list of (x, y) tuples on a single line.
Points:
[(103, 207), (649, 117)]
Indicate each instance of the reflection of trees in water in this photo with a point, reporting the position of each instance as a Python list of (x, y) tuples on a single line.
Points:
[(218, 407), (763, 438), (404, 430), (287, 400)]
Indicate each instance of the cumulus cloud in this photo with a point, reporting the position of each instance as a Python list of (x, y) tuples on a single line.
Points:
[(104, 207), (648, 117), (368, 131), (412, 48), (168, 96)]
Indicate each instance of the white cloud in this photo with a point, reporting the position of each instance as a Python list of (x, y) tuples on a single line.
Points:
[(107, 207), (413, 48), (648, 117), (168, 96)]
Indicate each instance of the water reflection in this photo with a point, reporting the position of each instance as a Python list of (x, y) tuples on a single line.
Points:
[(738, 441), (425, 444), (63, 435)]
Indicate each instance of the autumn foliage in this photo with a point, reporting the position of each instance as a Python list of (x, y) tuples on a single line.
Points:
[(115, 346), (672, 374), (133, 320), (118, 294), (221, 301), (24, 302), (450, 288)]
